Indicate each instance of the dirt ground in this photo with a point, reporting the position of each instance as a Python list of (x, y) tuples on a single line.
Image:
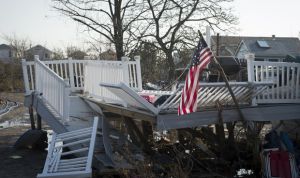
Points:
[(15, 163)]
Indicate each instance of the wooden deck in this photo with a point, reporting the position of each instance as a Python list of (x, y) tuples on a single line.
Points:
[(270, 84), (67, 95)]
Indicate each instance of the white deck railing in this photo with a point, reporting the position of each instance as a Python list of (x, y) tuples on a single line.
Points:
[(54, 89), (113, 72), (48, 77), (71, 70), (285, 76), (125, 71), (210, 93)]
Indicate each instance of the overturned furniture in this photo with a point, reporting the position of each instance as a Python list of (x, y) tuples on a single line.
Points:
[(82, 142)]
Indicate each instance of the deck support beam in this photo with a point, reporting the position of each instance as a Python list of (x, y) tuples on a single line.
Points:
[(123, 111), (136, 134), (39, 122), (31, 116), (38, 103), (208, 117)]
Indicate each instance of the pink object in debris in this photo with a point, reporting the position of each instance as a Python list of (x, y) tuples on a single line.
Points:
[(149, 98)]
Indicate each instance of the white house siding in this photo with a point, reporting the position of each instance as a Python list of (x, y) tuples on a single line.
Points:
[(242, 51)]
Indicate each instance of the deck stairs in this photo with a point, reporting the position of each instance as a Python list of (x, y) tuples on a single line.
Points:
[(108, 154)]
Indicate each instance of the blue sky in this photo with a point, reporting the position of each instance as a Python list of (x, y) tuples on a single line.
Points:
[(37, 21)]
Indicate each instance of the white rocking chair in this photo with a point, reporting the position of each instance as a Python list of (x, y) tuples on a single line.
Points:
[(82, 142)]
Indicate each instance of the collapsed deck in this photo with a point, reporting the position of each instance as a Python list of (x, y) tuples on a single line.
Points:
[(68, 94), (271, 93)]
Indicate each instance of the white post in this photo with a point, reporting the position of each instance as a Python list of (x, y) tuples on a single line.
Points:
[(37, 74), (25, 76), (250, 70), (208, 36), (125, 70), (250, 67), (66, 102), (71, 73), (138, 72)]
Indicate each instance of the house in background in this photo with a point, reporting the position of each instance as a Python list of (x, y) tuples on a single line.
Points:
[(7, 53), (232, 49), (41, 51), (276, 49), (227, 45)]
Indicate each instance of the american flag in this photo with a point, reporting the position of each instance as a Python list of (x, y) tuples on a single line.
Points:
[(201, 58)]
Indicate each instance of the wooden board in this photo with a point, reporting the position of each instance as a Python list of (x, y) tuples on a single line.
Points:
[(130, 97)]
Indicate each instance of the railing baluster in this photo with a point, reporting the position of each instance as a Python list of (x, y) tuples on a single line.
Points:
[(31, 77), (256, 73), (288, 83), (292, 90), (277, 84), (297, 83), (80, 74), (61, 70), (138, 71), (282, 83), (134, 77), (65, 71), (76, 75), (266, 96), (272, 78), (130, 75)]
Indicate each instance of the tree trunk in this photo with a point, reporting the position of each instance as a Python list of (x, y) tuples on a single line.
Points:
[(171, 66), (118, 30), (230, 127)]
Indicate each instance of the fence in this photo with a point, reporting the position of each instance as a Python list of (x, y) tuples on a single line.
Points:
[(71, 70), (55, 90), (285, 77), (113, 72)]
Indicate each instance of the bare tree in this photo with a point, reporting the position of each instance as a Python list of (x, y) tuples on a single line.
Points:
[(19, 45), (58, 53), (11, 73), (75, 52), (110, 19), (170, 24), (173, 24)]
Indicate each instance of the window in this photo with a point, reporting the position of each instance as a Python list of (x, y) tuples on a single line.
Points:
[(273, 60), (259, 59), (46, 55), (262, 44)]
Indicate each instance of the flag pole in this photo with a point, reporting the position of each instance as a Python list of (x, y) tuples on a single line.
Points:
[(220, 68)]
